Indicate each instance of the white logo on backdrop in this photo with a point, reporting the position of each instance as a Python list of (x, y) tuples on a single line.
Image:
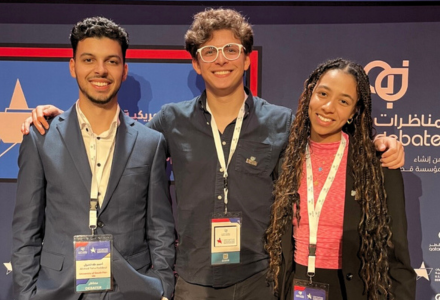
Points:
[(423, 272), (8, 267), (387, 92)]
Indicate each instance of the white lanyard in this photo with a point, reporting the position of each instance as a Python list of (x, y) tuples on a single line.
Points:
[(315, 212), (218, 147), (93, 214)]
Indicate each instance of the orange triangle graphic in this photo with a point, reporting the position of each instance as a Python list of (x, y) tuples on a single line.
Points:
[(18, 101)]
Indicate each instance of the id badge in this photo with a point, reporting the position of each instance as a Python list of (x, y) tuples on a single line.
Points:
[(225, 238), (306, 290), (92, 257)]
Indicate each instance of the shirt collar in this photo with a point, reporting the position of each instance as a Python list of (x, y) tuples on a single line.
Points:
[(85, 124), (249, 104)]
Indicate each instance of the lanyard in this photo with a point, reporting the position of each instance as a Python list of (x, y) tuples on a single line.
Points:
[(315, 212), (93, 213), (219, 149)]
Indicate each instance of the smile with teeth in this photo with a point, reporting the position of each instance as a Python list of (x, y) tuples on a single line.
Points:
[(222, 72), (323, 119), (97, 83)]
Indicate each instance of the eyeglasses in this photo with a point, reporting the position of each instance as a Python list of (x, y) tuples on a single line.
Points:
[(229, 51)]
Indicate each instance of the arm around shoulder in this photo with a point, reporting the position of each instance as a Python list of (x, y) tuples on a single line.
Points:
[(156, 122), (393, 155)]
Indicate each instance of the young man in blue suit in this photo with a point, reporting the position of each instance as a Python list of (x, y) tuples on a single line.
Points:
[(95, 168)]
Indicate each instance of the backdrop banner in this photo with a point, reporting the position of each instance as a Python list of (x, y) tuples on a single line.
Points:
[(401, 60)]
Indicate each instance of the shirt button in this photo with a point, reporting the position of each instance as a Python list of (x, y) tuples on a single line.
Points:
[(207, 123), (100, 224), (349, 276), (219, 197), (99, 193), (87, 129), (99, 164), (223, 143)]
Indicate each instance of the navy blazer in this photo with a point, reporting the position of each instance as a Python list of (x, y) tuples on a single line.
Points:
[(52, 205), (402, 274)]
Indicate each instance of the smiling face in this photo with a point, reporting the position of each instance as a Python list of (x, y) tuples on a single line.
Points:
[(99, 69), (222, 77), (332, 103)]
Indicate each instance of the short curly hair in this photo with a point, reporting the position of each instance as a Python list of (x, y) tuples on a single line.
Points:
[(98, 27), (210, 20)]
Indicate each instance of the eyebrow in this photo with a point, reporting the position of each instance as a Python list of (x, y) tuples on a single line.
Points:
[(221, 46), (107, 57), (328, 89)]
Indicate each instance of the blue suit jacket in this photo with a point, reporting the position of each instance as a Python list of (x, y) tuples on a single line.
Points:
[(52, 206)]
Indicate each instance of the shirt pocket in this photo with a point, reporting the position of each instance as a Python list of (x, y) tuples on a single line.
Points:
[(253, 158)]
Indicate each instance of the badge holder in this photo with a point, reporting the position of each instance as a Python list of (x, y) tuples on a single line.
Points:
[(225, 238), (93, 257), (308, 290)]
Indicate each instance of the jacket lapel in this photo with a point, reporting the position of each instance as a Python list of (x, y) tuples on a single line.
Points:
[(352, 213), (68, 128), (124, 143), (352, 207)]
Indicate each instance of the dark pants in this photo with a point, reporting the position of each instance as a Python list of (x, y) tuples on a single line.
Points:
[(253, 288)]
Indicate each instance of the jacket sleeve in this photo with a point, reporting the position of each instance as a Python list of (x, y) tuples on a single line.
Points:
[(160, 221), (28, 219), (402, 274), (159, 123), (286, 274), (156, 122)]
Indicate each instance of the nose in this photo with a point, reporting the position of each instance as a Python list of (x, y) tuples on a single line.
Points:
[(329, 106), (101, 68), (221, 60)]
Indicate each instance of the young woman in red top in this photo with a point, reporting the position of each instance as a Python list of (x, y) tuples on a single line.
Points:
[(338, 224)]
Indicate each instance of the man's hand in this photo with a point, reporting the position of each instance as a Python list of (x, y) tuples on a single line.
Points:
[(393, 155), (38, 118)]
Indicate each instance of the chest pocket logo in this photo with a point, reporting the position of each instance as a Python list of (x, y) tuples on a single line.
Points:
[(252, 161), (253, 158)]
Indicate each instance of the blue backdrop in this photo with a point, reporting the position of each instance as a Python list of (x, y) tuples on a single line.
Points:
[(147, 88)]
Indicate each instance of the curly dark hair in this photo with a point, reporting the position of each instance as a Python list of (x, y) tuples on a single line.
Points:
[(98, 27), (374, 228), (210, 20)]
